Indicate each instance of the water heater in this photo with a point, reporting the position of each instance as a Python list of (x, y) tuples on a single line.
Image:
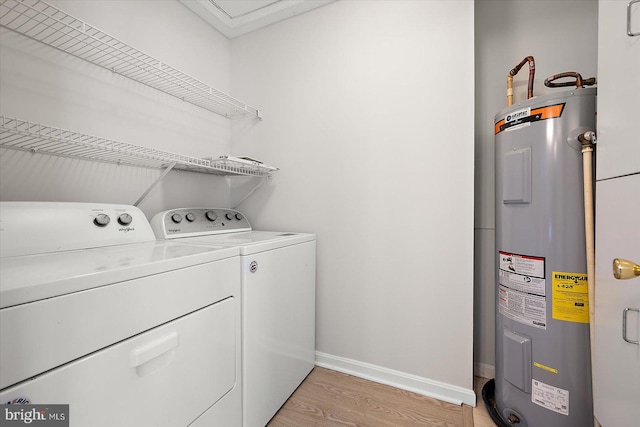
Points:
[(543, 366)]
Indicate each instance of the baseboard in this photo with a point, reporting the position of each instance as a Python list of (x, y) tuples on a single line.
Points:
[(424, 386), (484, 370)]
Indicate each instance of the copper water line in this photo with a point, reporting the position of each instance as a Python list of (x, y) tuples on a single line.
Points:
[(514, 71), (579, 81)]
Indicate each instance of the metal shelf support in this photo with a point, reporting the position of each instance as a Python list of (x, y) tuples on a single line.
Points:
[(250, 192), (155, 183)]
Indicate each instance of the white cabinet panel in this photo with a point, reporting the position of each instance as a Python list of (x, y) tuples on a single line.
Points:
[(617, 363), (616, 380), (618, 91)]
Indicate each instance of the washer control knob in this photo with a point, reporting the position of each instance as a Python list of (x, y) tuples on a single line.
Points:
[(125, 219), (229, 216), (101, 220), (211, 215), (177, 218), (190, 217), (238, 217)]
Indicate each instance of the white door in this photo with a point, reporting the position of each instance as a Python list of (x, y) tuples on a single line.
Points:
[(617, 317), (617, 362), (618, 90)]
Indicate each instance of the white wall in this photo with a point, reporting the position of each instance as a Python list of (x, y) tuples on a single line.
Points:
[(46, 86), (561, 36), (368, 111)]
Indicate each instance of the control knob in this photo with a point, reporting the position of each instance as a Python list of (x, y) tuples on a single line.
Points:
[(211, 215), (177, 218), (229, 216), (101, 220), (190, 217), (125, 219), (238, 216)]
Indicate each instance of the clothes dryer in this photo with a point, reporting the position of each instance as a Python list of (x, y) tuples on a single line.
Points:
[(96, 314), (278, 301)]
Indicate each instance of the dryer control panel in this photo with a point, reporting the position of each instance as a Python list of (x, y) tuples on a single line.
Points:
[(191, 222), (30, 228)]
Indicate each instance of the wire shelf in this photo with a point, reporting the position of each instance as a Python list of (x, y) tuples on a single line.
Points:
[(24, 135), (40, 21)]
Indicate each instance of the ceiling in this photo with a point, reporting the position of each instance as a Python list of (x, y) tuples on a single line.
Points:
[(236, 17)]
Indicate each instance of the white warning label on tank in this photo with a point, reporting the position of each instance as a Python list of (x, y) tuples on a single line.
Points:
[(522, 289), (522, 264), (550, 397), (523, 283), (522, 307)]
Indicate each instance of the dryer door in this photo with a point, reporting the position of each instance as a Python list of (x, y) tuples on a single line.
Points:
[(167, 376)]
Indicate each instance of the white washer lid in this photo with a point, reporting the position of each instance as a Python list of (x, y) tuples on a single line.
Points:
[(250, 242), (30, 278)]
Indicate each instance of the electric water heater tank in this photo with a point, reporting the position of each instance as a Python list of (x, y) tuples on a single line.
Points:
[(543, 366)]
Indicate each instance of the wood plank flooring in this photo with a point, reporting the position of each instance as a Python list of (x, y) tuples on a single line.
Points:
[(481, 417), (329, 398)]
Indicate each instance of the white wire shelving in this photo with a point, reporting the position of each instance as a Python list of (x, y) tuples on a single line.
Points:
[(45, 23), (28, 136)]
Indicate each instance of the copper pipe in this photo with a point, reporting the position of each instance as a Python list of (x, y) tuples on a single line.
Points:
[(579, 81), (532, 72)]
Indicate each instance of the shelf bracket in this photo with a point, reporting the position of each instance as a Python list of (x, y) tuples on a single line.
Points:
[(250, 192), (156, 182)]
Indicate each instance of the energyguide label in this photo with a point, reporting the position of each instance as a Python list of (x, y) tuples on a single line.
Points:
[(570, 297)]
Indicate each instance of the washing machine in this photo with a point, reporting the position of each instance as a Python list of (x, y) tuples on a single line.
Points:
[(96, 314), (277, 271)]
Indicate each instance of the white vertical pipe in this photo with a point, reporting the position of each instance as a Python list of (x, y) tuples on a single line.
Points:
[(588, 139)]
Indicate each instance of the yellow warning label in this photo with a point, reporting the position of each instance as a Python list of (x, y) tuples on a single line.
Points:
[(570, 297), (546, 368)]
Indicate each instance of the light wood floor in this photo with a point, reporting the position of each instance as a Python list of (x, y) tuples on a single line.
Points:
[(481, 417), (330, 398)]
